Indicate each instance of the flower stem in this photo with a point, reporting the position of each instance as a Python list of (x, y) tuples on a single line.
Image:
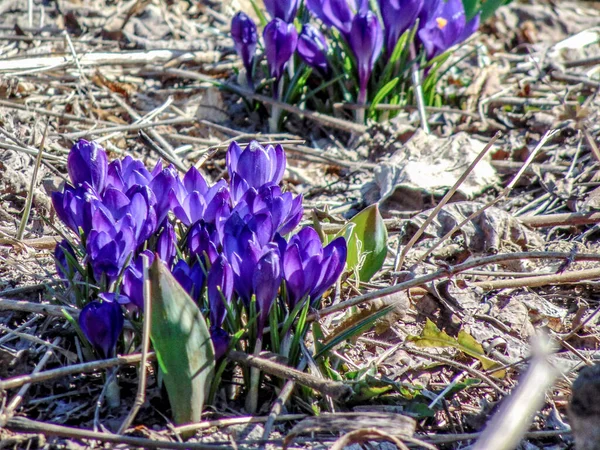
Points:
[(416, 80), (275, 109), (359, 115), (252, 398)]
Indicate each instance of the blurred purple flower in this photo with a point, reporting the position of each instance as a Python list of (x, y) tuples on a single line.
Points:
[(219, 286), (280, 39), (282, 9), (447, 26), (254, 166), (245, 37), (87, 163), (365, 40), (338, 13), (102, 323), (312, 48), (398, 16), (308, 268)]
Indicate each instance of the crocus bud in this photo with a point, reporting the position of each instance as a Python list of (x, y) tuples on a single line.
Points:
[(281, 40), (398, 16), (312, 48), (87, 162), (63, 268), (220, 340), (219, 286), (282, 9), (102, 323), (447, 26), (245, 37), (254, 166), (266, 280), (366, 41)]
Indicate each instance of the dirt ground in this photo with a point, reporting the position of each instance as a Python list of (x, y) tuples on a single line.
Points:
[(519, 253)]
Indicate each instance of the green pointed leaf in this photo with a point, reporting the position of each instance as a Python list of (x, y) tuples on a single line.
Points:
[(182, 343), (367, 244), (432, 336)]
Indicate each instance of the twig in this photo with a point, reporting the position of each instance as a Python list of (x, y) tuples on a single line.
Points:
[(39, 377), (30, 194), (141, 392), (505, 192), (335, 389), (8, 412), (400, 261), (555, 278), (231, 421), (23, 424), (324, 119), (474, 372), (132, 127), (447, 273), (418, 88)]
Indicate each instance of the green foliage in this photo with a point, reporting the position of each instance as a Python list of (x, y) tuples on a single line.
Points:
[(182, 343), (486, 7), (367, 242), (433, 337)]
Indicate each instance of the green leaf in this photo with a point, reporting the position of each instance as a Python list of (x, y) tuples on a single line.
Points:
[(367, 244), (471, 8), (489, 7), (432, 336), (182, 343), (383, 92)]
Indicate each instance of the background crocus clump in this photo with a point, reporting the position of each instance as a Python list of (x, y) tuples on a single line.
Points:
[(231, 245), (351, 50)]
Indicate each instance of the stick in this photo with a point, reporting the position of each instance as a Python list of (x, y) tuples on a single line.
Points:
[(334, 389), (141, 392)]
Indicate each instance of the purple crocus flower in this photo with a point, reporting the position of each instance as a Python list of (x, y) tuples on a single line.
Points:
[(283, 209), (365, 40), (191, 278), (60, 258), (133, 279), (338, 13), (76, 206), (308, 268), (128, 172), (102, 323), (312, 48), (245, 37), (203, 241), (219, 286), (282, 9), (266, 278), (87, 163), (167, 188), (281, 39), (110, 244), (447, 26), (220, 340), (254, 166), (398, 16), (166, 244)]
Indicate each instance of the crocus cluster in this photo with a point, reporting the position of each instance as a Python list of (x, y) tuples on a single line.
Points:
[(229, 243), (351, 25)]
